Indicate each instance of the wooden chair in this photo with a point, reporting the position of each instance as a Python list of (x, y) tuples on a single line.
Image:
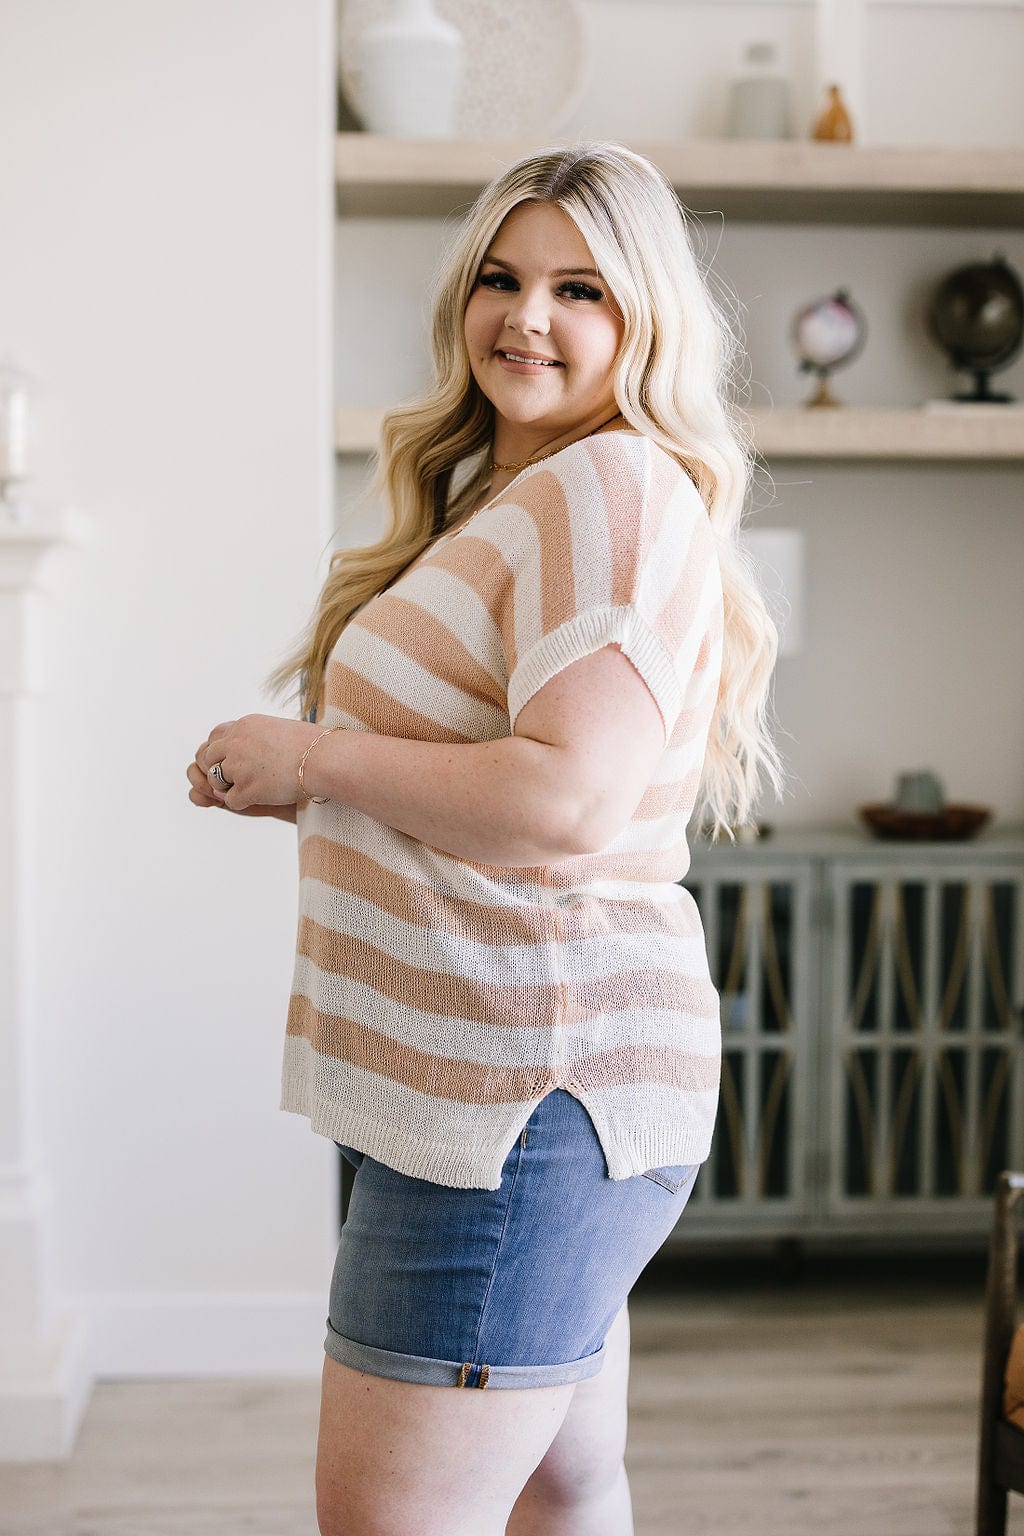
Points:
[(1000, 1442)]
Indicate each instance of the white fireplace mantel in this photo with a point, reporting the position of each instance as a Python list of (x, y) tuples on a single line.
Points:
[(45, 1378)]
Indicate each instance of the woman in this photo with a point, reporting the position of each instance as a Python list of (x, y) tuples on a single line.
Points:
[(502, 1009)]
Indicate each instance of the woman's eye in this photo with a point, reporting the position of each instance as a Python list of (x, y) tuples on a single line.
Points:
[(582, 291)]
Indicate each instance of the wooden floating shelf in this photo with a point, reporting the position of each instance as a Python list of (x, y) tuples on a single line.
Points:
[(848, 432), (790, 180), (356, 429), (851, 432)]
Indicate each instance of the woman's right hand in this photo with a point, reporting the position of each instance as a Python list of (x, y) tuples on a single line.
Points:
[(200, 795)]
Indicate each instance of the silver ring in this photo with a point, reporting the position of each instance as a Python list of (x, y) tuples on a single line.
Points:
[(217, 773)]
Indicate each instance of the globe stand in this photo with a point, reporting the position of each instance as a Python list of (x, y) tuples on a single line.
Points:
[(822, 396), (982, 394)]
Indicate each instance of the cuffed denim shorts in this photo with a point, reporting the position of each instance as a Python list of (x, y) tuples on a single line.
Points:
[(508, 1287)]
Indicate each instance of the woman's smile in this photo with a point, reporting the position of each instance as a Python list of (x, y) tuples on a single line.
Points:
[(526, 362)]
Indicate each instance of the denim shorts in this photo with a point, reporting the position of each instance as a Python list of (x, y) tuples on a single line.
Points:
[(508, 1287)]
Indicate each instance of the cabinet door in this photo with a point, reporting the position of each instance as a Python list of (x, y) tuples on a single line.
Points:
[(924, 1047), (756, 925)]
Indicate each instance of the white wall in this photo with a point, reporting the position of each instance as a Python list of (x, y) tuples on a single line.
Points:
[(914, 623), (167, 198)]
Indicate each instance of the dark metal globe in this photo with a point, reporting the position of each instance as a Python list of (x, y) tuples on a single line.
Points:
[(977, 316)]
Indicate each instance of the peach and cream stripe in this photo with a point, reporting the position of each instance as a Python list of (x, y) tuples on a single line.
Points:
[(433, 588), (389, 872), (345, 964), (436, 1000), (361, 920), (484, 1043), (452, 661), (457, 1077), (439, 681)]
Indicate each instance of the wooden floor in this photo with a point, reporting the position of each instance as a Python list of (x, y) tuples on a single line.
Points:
[(840, 1399)]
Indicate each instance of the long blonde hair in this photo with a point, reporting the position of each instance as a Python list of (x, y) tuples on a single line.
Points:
[(675, 380)]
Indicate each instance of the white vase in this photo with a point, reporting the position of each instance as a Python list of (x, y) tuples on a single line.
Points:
[(759, 106), (412, 73)]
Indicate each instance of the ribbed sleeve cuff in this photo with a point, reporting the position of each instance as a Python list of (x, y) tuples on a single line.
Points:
[(587, 632)]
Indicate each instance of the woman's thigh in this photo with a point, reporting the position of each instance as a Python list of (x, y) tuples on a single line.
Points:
[(398, 1458), (584, 1459)]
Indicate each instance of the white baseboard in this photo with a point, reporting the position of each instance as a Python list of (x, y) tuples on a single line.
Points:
[(126, 1337), (43, 1400)]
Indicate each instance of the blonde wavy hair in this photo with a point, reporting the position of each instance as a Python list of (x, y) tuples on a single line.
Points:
[(676, 377)]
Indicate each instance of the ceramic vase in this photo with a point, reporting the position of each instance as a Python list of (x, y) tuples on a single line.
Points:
[(412, 66), (759, 105)]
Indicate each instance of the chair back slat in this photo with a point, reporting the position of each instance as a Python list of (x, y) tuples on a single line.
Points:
[(995, 1474)]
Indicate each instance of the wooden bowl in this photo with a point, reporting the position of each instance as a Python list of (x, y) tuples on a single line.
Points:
[(953, 822)]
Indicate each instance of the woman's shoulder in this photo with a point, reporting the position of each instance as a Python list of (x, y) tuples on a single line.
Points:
[(620, 481), (627, 465), (613, 451), (604, 449)]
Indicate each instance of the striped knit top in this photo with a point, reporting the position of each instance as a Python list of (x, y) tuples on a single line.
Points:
[(435, 1000)]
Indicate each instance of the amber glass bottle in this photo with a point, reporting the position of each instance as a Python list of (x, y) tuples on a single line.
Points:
[(834, 121)]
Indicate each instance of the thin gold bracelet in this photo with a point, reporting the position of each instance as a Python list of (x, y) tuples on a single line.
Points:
[(315, 799)]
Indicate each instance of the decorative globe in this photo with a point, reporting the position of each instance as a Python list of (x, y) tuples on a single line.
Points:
[(977, 316), (826, 335)]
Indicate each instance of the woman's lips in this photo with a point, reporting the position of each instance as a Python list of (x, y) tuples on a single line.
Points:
[(525, 362)]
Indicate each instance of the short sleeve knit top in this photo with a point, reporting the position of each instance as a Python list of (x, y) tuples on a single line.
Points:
[(435, 1000)]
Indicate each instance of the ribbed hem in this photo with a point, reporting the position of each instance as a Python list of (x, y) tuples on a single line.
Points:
[(586, 633), (452, 1373), (393, 1145), (669, 1147), (628, 1150)]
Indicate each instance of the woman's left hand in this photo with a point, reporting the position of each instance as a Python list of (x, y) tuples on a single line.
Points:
[(259, 756)]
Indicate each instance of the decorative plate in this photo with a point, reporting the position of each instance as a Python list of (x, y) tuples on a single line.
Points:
[(525, 61), (951, 824)]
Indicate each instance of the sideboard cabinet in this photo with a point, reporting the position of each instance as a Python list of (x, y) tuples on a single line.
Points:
[(871, 1001)]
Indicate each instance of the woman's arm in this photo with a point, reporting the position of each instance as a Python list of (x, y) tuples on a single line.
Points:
[(564, 784)]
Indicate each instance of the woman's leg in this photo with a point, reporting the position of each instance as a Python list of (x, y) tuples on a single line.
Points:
[(395, 1458), (580, 1487)]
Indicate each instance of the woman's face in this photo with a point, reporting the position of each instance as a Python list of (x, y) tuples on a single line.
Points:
[(542, 329)]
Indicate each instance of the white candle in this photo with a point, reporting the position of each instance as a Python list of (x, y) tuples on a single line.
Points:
[(14, 434)]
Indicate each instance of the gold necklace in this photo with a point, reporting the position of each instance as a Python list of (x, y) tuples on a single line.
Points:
[(539, 458)]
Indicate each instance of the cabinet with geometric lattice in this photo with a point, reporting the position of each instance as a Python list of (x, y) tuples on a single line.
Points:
[(872, 1061), (924, 1055)]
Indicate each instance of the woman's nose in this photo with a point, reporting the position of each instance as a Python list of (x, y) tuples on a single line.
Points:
[(528, 312)]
